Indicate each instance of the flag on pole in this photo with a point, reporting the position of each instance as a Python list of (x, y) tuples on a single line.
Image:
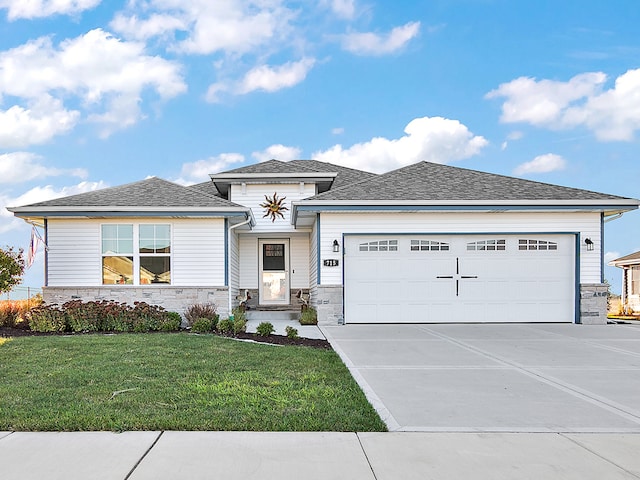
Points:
[(33, 247)]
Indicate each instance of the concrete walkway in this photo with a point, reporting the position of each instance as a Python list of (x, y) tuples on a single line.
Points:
[(352, 456), (497, 378)]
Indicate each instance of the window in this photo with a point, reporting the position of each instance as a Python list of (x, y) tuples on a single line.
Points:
[(428, 245), (380, 246), (155, 247), (151, 262), (635, 280), (117, 254), (524, 244), (487, 245)]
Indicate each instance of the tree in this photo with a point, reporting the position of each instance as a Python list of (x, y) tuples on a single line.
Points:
[(11, 268)]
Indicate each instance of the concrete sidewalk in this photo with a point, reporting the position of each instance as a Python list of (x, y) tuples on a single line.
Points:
[(352, 456)]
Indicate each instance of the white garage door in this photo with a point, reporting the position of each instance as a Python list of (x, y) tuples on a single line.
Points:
[(459, 278)]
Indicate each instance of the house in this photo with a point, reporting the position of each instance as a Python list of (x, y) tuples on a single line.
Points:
[(424, 243), (630, 265)]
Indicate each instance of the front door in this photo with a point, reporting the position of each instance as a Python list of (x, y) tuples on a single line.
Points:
[(274, 272)]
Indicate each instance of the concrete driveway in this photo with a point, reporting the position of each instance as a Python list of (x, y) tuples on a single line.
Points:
[(497, 378)]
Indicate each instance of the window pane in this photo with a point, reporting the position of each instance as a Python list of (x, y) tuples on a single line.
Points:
[(109, 231), (109, 246), (117, 270), (155, 270), (117, 239)]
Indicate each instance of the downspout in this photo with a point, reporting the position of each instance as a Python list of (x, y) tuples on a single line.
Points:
[(232, 227)]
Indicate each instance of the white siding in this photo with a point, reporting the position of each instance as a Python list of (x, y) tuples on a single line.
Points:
[(74, 257), (248, 246), (313, 262), (254, 194), (234, 266), (198, 252), (298, 260), (334, 225)]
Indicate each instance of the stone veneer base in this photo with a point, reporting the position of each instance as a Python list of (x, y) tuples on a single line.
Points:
[(174, 299)]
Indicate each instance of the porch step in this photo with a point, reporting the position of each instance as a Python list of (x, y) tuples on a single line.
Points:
[(271, 315)]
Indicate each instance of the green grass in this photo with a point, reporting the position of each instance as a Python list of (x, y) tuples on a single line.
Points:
[(175, 382)]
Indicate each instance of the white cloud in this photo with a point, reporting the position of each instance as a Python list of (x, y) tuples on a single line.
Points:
[(228, 26), (44, 119), (278, 152), (345, 9), (433, 139), (44, 8), (106, 74), (266, 78), (549, 162), (609, 256), (198, 171), (337, 131), (612, 114), (373, 44), (271, 79), (19, 167), (515, 135)]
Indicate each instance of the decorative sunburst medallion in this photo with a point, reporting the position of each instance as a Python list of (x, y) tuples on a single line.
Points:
[(273, 207)]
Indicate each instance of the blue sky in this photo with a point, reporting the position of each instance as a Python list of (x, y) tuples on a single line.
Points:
[(96, 93)]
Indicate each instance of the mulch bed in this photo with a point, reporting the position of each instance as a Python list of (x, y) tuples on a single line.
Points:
[(271, 339)]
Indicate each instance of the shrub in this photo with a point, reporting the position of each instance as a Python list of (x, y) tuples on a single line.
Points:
[(309, 316), (202, 325), (171, 323), (201, 310), (225, 325), (291, 332), (9, 312), (47, 319), (265, 329), (239, 320)]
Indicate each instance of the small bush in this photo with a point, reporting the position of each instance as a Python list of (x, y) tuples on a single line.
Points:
[(201, 310), (225, 326), (172, 323), (291, 332), (13, 312), (47, 319), (202, 325), (265, 329), (309, 316), (239, 320)]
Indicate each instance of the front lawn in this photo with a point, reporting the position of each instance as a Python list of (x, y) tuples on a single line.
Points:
[(175, 382)]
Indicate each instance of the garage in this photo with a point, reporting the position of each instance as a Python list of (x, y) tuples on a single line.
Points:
[(506, 278)]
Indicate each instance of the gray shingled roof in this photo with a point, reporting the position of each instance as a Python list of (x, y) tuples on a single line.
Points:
[(207, 187), (346, 176), (425, 181), (152, 192), (271, 166)]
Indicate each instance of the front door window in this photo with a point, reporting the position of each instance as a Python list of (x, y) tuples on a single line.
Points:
[(274, 276)]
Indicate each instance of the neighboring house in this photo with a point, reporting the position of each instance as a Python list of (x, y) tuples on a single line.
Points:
[(424, 243), (630, 265)]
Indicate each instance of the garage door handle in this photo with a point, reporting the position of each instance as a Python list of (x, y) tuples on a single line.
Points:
[(469, 276), (445, 276)]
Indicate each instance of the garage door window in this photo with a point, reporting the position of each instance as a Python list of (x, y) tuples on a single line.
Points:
[(527, 244), (380, 246), (428, 245), (487, 245)]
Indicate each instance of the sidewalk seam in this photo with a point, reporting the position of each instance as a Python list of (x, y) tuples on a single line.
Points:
[(598, 455), (133, 469), (366, 456)]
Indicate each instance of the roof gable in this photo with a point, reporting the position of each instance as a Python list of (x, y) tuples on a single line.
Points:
[(631, 259)]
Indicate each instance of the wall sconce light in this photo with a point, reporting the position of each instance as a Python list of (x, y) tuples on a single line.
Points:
[(589, 243), (336, 246)]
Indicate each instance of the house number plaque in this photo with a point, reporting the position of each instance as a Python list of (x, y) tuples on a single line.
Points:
[(331, 262)]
